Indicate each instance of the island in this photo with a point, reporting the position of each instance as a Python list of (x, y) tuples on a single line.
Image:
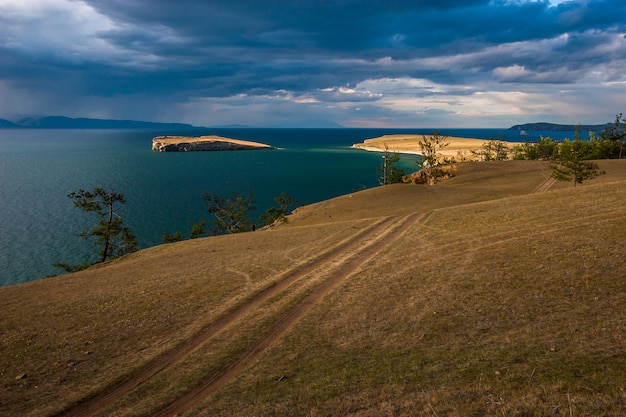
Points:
[(552, 127), (409, 144), (203, 143)]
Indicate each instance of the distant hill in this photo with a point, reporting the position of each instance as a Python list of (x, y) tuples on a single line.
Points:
[(60, 122), (543, 126), (6, 123)]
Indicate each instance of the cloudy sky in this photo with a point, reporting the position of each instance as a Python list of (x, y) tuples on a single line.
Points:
[(315, 63)]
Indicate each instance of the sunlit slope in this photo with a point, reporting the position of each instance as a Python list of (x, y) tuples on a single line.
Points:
[(510, 307), (499, 300), (474, 182)]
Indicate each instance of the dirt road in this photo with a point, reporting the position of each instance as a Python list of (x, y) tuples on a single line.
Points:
[(328, 271)]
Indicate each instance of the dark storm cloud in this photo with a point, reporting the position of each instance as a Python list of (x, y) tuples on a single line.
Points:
[(317, 51), (248, 41)]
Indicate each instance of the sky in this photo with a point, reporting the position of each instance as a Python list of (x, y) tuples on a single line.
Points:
[(315, 63)]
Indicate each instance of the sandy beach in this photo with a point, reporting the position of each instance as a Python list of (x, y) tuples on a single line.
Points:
[(409, 144)]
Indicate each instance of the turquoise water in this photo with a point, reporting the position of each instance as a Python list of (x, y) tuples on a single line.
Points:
[(38, 168)]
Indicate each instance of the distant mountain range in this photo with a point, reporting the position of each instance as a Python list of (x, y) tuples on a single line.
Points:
[(60, 122), (551, 127), (6, 123)]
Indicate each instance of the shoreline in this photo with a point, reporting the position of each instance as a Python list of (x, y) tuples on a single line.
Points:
[(377, 149), (409, 144)]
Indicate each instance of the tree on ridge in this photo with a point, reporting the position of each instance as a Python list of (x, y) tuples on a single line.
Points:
[(431, 147), (230, 214), (111, 236), (280, 211), (390, 173), (571, 166)]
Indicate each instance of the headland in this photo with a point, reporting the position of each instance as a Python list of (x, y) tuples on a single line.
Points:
[(203, 143), (409, 144)]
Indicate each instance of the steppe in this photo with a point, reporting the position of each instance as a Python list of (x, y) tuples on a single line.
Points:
[(498, 292)]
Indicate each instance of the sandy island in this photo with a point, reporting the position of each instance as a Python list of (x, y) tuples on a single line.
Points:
[(203, 143), (409, 144)]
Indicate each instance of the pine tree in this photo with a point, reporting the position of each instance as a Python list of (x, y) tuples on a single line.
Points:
[(230, 214), (570, 165), (431, 146), (111, 236), (390, 173)]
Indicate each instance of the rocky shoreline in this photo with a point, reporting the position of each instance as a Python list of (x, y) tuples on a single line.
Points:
[(203, 144)]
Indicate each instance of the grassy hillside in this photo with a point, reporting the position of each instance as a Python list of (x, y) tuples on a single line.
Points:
[(480, 296)]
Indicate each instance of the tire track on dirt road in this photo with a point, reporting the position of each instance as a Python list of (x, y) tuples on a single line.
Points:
[(213, 381), (544, 186), (117, 390), (465, 248)]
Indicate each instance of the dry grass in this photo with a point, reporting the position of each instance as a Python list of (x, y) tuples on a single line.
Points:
[(75, 333), (474, 182), (501, 308), (498, 303)]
